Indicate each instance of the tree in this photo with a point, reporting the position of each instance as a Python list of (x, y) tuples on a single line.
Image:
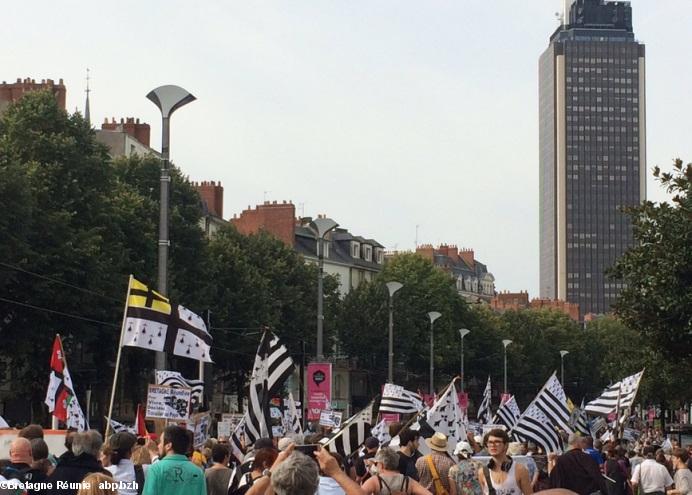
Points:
[(363, 324), (657, 271)]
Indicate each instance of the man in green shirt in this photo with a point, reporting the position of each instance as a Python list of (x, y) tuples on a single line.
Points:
[(174, 474)]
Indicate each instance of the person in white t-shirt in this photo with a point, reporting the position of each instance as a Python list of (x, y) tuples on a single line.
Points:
[(683, 475), (650, 476)]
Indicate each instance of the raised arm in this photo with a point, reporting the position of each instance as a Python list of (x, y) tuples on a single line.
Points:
[(331, 468)]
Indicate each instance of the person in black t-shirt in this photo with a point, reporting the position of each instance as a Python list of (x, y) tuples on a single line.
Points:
[(408, 453)]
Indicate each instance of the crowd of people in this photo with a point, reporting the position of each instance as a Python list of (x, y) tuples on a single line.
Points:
[(297, 465)]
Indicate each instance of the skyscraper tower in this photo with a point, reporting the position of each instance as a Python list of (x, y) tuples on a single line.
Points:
[(592, 128)]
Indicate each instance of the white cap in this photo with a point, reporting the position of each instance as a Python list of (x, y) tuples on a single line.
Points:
[(463, 448)]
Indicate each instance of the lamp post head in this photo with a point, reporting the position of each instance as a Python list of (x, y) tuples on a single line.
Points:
[(563, 353), (169, 98), (434, 315), (393, 286), (506, 342), (464, 332), (320, 226)]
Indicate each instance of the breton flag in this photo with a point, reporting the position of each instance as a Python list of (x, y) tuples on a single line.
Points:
[(617, 397), (120, 428), (484, 415), (445, 417), (273, 366), (508, 414), (381, 432), (352, 434), (578, 420), (152, 322), (291, 419), (60, 397), (546, 414), (176, 380), (236, 439), (396, 399)]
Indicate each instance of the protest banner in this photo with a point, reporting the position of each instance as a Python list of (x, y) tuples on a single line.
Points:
[(330, 419), (168, 403), (319, 389)]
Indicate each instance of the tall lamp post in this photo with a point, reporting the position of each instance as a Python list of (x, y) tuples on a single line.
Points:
[(463, 332), (392, 287), (433, 315), (168, 99), (505, 343), (562, 367), (321, 227)]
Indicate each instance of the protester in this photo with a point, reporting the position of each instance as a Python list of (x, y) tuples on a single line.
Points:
[(371, 445), (683, 475), (141, 457), (218, 476), (328, 485), (652, 477), (263, 460), (174, 474), (616, 481), (408, 453), (260, 443), (502, 473), (294, 473), (518, 448), (20, 460), (72, 469), (122, 468), (593, 452), (433, 469), (153, 449), (635, 458), (39, 454), (95, 484), (576, 470), (387, 479), (463, 477), (663, 460), (31, 432)]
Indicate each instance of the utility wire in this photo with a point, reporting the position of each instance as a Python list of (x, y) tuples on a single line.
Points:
[(57, 281), (69, 315)]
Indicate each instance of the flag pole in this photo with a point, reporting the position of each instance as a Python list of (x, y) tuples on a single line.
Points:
[(55, 425), (117, 359)]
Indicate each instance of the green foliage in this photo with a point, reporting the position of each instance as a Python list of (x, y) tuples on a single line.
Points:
[(657, 271)]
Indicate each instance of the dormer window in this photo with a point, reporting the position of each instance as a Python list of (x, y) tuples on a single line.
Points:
[(379, 256), (355, 250), (367, 252)]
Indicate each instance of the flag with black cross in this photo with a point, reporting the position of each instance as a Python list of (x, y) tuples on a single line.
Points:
[(152, 322)]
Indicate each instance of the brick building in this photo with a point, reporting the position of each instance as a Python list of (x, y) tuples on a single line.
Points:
[(11, 92), (516, 301), (127, 137), (473, 280), (353, 259)]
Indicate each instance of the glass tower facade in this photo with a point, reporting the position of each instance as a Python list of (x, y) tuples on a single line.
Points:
[(592, 151)]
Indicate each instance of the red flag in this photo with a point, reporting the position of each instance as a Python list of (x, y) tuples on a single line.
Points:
[(57, 363), (139, 422), (58, 394)]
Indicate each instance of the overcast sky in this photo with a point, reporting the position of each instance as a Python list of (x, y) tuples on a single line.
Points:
[(383, 115)]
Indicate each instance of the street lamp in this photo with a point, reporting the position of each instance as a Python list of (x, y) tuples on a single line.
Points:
[(463, 332), (505, 343), (321, 227), (168, 99), (392, 287), (562, 367), (433, 315)]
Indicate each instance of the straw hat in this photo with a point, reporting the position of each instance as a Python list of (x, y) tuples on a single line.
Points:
[(437, 442)]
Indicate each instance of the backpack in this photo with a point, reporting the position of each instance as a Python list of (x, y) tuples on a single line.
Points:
[(402, 491)]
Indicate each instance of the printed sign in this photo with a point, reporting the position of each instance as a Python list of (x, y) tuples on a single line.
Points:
[(201, 431), (330, 419), (224, 429), (319, 389), (168, 403), (463, 400), (234, 419), (389, 418)]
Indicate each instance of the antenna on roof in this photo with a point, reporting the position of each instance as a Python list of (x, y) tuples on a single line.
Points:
[(416, 245), (87, 113)]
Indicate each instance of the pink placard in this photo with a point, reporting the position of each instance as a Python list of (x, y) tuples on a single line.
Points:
[(390, 417), (463, 400), (319, 389)]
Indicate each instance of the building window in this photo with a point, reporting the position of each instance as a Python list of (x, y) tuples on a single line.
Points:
[(355, 250), (380, 256), (367, 253)]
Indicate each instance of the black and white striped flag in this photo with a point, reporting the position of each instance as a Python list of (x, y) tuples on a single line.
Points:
[(607, 403), (381, 432), (396, 399), (176, 380), (508, 414), (236, 439), (119, 427), (273, 365), (291, 419), (579, 421), (484, 415), (352, 434), (546, 414)]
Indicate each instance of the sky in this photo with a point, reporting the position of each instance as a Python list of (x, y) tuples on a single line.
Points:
[(401, 120)]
